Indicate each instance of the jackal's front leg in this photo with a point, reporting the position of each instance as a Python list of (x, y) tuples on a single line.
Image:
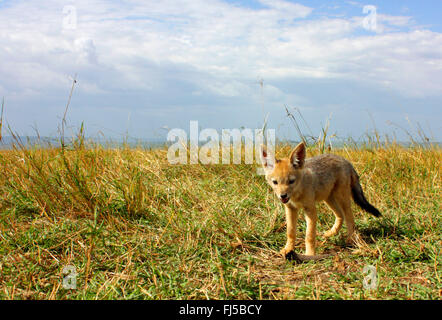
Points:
[(310, 235), (291, 216)]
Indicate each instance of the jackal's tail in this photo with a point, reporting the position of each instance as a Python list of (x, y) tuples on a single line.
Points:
[(359, 198)]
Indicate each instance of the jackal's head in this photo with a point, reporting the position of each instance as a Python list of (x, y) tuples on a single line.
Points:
[(284, 174)]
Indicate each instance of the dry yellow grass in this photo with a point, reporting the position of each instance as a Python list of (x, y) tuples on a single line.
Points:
[(136, 227)]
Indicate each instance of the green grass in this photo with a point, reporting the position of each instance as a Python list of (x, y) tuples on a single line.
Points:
[(136, 227)]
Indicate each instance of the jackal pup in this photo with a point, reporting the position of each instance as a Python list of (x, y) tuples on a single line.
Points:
[(299, 183)]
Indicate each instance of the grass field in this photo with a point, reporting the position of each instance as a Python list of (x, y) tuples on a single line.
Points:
[(136, 227)]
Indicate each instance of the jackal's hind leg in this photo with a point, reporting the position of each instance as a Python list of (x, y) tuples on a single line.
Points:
[(339, 214), (349, 219)]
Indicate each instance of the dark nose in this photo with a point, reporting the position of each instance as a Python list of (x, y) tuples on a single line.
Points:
[(283, 196)]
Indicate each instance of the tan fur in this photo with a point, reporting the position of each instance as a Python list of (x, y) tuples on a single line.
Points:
[(327, 177)]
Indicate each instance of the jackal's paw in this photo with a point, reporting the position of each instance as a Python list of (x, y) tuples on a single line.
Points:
[(286, 251), (329, 233), (289, 254), (350, 241), (353, 240)]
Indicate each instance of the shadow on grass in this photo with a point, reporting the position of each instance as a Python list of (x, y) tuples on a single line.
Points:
[(381, 228)]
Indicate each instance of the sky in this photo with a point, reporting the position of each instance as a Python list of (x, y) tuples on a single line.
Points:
[(144, 67)]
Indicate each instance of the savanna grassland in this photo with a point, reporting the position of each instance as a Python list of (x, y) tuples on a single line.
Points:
[(136, 227)]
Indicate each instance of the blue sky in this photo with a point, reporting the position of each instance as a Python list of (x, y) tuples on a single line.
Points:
[(143, 66)]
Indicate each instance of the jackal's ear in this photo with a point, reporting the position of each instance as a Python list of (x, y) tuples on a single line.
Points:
[(267, 161), (297, 156)]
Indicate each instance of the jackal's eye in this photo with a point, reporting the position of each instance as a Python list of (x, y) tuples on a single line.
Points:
[(291, 181), (275, 182)]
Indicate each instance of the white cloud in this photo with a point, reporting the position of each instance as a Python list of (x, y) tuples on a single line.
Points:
[(213, 37), (216, 47)]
